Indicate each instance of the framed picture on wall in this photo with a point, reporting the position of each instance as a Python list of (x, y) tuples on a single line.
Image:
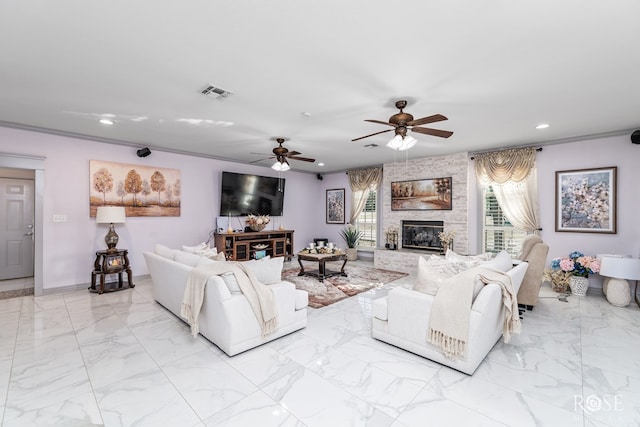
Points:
[(586, 200), (421, 195), (335, 206)]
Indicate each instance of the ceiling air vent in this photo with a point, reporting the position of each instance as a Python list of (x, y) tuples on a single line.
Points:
[(219, 93)]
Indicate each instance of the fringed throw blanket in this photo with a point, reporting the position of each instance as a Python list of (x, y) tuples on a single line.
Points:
[(451, 310), (511, 322), (260, 296)]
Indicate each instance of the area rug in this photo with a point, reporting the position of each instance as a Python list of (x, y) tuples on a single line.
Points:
[(336, 288)]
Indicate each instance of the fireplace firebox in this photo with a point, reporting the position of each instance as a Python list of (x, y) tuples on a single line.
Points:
[(422, 235)]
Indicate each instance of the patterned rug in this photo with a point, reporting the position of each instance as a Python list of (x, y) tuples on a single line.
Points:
[(336, 288)]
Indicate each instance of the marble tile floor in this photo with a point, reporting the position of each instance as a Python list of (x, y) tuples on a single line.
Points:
[(16, 287), (120, 359)]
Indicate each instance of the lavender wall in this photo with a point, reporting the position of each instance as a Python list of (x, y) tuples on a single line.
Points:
[(69, 246), (589, 153), (68, 249)]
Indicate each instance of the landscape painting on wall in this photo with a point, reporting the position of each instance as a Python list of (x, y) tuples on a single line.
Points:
[(142, 190), (586, 200), (421, 195)]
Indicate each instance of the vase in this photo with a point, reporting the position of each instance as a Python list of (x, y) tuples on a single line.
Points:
[(578, 285), (352, 254)]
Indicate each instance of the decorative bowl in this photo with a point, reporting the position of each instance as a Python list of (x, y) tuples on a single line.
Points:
[(260, 247), (257, 227)]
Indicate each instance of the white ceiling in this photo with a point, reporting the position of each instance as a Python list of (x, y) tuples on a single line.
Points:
[(495, 68)]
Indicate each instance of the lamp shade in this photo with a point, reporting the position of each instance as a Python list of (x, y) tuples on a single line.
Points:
[(620, 268), (111, 215)]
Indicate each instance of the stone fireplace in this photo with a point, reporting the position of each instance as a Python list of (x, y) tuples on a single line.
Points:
[(421, 235)]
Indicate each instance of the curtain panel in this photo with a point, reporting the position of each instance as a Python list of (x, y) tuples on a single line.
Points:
[(361, 182), (512, 175)]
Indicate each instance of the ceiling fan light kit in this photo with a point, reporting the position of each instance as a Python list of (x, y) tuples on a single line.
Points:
[(280, 166), (400, 144)]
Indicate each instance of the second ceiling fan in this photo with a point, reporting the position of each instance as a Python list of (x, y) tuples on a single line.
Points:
[(402, 122), (281, 154)]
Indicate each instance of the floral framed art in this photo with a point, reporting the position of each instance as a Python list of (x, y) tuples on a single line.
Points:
[(586, 200), (335, 206)]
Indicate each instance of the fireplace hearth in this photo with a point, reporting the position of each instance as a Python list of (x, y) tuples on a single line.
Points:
[(422, 235)]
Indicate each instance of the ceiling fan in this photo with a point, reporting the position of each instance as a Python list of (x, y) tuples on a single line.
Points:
[(281, 154), (402, 122)]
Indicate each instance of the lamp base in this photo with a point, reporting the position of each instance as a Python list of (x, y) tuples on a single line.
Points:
[(618, 292), (111, 239)]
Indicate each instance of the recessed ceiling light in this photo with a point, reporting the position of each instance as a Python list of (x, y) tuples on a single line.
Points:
[(107, 121), (320, 164), (306, 114), (542, 126)]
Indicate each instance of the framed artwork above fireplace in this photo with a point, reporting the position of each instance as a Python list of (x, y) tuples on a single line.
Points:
[(421, 195)]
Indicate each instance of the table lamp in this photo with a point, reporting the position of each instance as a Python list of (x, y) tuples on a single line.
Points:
[(619, 270), (111, 215)]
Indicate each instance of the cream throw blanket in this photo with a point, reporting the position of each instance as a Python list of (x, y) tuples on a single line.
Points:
[(451, 310), (260, 296)]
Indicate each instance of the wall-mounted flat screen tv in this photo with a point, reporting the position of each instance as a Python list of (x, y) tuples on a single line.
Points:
[(244, 194)]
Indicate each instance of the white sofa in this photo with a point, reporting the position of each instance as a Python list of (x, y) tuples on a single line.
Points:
[(226, 319), (402, 319)]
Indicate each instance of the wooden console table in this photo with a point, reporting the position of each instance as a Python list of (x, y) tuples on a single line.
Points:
[(111, 262), (246, 246), (322, 272)]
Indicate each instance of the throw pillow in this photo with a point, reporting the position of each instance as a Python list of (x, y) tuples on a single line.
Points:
[(202, 249), (195, 249), (187, 258), (231, 282), (452, 256), (267, 270), (501, 262), (164, 251), (429, 278), (218, 257)]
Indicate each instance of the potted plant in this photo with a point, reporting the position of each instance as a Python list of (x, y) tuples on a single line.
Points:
[(351, 236)]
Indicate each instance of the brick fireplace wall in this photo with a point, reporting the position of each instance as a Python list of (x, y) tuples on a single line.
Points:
[(456, 219)]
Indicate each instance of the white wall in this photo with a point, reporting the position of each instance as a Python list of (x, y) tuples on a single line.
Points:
[(69, 247)]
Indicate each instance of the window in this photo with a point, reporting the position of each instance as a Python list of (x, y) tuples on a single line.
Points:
[(367, 221), (497, 231)]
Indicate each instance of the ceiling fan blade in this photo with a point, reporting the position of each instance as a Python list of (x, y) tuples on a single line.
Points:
[(434, 132), (382, 123), (292, 153), (425, 120), (260, 160), (304, 159), (367, 136)]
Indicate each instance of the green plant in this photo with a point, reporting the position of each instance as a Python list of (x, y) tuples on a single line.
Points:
[(351, 236)]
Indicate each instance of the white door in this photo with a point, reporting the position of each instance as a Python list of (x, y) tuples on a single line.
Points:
[(16, 228)]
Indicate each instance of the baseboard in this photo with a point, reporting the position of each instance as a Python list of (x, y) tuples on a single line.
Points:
[(81, 286)]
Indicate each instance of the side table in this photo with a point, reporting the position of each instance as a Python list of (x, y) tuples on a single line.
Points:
[(111, 262)]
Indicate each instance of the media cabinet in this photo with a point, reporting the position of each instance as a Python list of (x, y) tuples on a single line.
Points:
[(246, 246)]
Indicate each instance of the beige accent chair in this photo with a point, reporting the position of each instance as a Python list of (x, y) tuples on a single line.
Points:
[(534, 251)]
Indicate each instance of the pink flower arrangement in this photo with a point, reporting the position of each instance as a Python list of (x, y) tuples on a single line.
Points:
[(577, 264)]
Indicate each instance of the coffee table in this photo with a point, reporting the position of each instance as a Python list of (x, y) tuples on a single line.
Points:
[(322, 272)]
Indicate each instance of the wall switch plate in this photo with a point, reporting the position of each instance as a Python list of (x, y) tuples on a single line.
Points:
[(59, 218)]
